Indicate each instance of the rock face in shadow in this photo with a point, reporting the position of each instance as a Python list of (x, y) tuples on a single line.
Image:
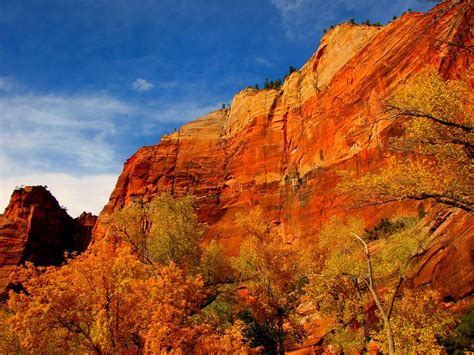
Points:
[(82, 231), (282, 150), (37, 229)]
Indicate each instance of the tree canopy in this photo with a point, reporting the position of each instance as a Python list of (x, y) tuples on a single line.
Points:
[(436, 147), (274, 274), (355, 267), (163, 230)]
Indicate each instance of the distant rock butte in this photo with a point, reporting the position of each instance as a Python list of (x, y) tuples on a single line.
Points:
[(36, 228), (282, 150)]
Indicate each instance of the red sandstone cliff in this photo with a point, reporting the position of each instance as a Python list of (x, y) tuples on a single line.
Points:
[(282, 149), (35, 228)]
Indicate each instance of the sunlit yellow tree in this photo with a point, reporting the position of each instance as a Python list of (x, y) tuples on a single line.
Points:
[(437, 146), (163, 230), (166, 230), (365, 266), (419, 320), (344, 299), (107, 301), (273, 272)]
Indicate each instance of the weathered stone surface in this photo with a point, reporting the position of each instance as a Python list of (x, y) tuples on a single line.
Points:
[(282, 149), (447, 263), (35, 228)]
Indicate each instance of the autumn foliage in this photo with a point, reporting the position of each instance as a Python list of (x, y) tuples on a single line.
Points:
[(273, 272), (111, 299), (419, 320), (435, 151), (107, 301), (139, 290), (162, 230)]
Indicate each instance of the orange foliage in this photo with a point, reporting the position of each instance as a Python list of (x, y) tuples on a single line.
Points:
[(106, 300)]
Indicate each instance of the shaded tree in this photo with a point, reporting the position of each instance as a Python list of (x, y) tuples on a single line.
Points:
[(462, 339)]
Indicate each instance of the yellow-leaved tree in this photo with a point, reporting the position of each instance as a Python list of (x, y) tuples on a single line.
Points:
[(140, 290), (437, 146), (419, 321), (166, 230), (105, 301), (358, 264), (273, 272), (163, 230), (342, 298)]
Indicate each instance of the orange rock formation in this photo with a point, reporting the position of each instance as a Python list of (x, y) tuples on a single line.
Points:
[(282, 149)]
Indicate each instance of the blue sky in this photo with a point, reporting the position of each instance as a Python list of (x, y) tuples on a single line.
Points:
[(85, 83)]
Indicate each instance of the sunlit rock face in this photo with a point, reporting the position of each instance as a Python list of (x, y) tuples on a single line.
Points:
[(35, 228), (282, 150)]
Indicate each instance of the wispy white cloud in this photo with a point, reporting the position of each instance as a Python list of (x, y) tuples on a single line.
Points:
[(264, 61), (81, 133), (48, 130), (142, 85), (75, 143)]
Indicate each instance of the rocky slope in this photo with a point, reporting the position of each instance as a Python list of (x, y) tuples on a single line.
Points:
[(282, 149), (36, 228)]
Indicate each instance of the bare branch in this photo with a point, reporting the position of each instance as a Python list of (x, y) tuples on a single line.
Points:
[(400, 112)]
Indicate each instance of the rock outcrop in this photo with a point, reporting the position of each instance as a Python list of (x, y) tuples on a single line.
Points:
[(36, 228)]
